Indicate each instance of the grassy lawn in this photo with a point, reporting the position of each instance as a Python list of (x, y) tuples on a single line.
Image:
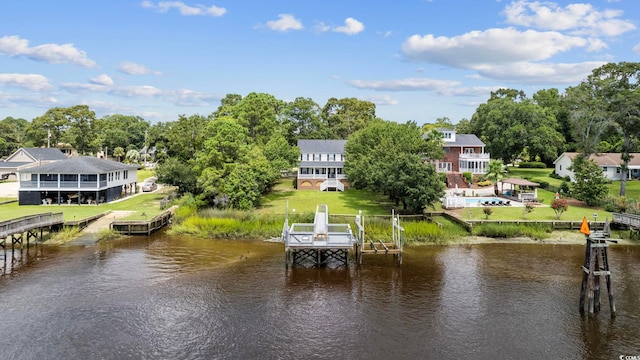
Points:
[(147, 203), (533, 175), (304, 201)]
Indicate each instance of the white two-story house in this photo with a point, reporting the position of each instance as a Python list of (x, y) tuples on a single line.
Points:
[(78, 180), (322, 165)]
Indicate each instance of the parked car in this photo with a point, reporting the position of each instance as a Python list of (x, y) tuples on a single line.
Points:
[(149, 186)]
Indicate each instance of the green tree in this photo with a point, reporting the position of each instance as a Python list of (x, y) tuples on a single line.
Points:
[(132, 156), (118, 152), (589, 120), (185, 137), (619, 86), (259, 112), (177, 173), (12, 135), (347, 115), (496, 171), (390, 158), (508, 123), (590, 184), (280, 154), (127, 132), (302, 119)]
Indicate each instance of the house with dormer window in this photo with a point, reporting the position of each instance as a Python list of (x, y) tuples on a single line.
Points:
[(321, 165), (462, 153)]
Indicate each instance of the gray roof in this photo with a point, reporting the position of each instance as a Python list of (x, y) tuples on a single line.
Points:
[(12, 164), (44, 154), (465, 140), (321, 146), (80, 165)]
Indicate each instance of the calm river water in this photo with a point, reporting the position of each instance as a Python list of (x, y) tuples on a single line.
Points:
[(178, 298)]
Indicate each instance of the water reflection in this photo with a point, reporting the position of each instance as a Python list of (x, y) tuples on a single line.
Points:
[(182, 298)]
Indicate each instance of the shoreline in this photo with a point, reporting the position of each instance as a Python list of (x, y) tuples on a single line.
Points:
[(561, 237)]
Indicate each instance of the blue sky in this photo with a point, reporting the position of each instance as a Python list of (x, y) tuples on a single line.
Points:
[(415, 59)]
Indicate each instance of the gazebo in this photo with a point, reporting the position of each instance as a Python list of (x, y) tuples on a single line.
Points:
[(520, 189)]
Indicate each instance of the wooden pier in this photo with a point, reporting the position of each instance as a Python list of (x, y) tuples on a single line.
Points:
[(27, 227), (378, 247), (144, 227), (320, 243), (631, 221), (596, 264)]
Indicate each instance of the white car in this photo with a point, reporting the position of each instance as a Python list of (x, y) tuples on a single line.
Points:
[(149, 186)]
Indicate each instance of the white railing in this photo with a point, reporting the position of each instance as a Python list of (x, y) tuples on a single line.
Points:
[(332, 183), (475, 156), (453, 202), (320, 176)]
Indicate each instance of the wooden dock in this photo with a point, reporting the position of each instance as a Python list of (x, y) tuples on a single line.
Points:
[(319, 243), (630, 221), (144, 227), (27, 227), (378, 247)]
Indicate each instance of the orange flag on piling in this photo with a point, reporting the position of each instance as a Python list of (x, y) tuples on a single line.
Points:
[(584, 228)]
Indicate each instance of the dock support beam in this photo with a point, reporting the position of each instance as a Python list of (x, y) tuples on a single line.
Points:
[(596, 263)]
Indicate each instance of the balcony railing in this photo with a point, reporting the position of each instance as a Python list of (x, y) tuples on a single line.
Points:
[(475, 156), (63, 184), (321, 176)]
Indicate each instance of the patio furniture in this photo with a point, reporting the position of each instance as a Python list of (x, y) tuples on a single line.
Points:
[(507, 203)]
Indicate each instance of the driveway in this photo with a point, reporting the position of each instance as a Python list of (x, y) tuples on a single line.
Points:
[(9, 189)]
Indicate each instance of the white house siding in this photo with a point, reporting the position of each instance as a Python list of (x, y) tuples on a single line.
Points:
[(610, 164)]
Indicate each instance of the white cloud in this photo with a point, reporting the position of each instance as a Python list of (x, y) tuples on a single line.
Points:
[(180, 97), (184, 9), (492, 46), (410, 84), (285, 23), (380, 99), (103, 79), (578, 18), (32, 82), (11, 100), (351, 27), (132, 68), (186, 97), (636, 49), (15, 46), (534, 73), (321, 27), (137, 91)]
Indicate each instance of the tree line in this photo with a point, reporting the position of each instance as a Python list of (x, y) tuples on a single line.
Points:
[(234, 155)]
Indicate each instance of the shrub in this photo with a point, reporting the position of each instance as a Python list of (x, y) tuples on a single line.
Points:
[(468, 176), (532, 165), (487, 211), (543, 183), (553, 175), (559, 206)]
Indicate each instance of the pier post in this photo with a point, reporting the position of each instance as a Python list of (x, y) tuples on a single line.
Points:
[(596, 263)]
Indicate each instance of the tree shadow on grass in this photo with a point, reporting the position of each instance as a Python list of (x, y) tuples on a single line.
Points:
[(370, 203)]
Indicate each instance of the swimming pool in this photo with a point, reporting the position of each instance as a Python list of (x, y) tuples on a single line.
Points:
[(478, 201)]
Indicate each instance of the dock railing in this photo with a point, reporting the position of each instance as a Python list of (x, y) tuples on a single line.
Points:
[(25, 223)]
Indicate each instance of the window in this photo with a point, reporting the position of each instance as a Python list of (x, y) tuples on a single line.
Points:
[(468, 150), (332, 157), (560, 168), (604, 168), (125, 174), (316, 157), (617, 170)]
